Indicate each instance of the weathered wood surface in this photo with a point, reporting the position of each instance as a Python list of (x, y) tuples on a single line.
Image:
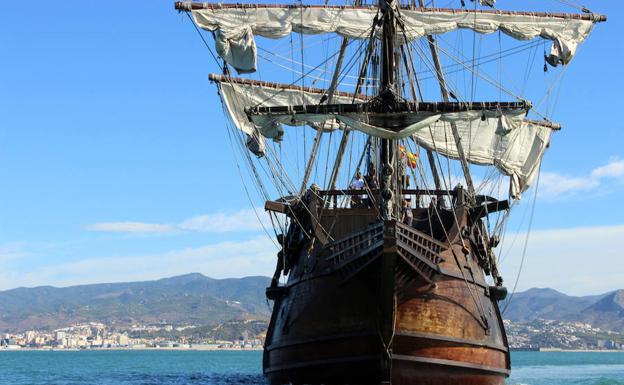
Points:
[(329, 330)]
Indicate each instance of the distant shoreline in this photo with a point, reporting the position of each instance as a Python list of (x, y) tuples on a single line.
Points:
[(555, 350), (202, 348), (194, 348)]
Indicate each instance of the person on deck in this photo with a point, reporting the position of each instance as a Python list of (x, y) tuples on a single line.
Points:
[(371, 178), (407, 216), (371, 184), (357, 183)]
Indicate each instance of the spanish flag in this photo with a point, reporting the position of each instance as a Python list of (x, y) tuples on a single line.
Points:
[(411, 157)]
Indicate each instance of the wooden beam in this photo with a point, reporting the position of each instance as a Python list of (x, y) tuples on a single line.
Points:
[(277, 207), (193, 6), (399, 107)]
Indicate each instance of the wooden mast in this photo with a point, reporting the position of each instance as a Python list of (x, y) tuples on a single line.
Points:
[(387, 95)]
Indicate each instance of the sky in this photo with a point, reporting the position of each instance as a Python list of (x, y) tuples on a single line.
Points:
[(115, 164)]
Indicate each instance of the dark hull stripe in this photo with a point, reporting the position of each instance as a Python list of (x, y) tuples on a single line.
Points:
[(304, 341), (316, 363), (451, 363), (456, 340)]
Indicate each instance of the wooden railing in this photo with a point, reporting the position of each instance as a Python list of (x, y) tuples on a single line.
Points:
[(420, 252), (351, 254)]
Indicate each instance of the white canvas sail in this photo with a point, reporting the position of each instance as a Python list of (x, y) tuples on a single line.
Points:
[(238, 94), (500, 138), (235, 26), (515, 149)]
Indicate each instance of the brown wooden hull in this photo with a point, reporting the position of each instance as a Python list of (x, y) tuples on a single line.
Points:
[(327, 327)]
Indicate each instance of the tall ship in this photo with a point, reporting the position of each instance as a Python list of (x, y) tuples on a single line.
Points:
[(390, 141)]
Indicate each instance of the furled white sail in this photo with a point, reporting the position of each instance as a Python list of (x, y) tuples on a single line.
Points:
[(515, 146), (235, 26), (238, 94), (500, 138)]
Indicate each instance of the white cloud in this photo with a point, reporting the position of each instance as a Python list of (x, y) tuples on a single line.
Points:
[(220, 222), (577, 261), (614, 169), (254, 256), (13, 251), (242, 220), (554, 185), (130, 227)]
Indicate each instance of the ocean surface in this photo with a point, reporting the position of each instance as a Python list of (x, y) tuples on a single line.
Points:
[(244, 368)]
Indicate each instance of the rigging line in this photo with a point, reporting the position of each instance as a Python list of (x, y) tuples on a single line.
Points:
[(313, 69), (251, 166), (295, 72), (242, 147), (278, 174), (550, 88), (237, 100), (204, 40), (303, 84), (474, 42), (526, 242), (527, 71), (506, 253), (308, 211), (247, 192), (425, 59), (323, 71), (478, 304), (429, 63), (579, 7), (481, 75), (480, 61), (280, 46)]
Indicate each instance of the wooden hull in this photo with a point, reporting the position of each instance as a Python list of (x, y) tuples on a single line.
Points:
[(329, 325)]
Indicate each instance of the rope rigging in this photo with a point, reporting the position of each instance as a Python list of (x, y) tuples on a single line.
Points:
[(272, 173)]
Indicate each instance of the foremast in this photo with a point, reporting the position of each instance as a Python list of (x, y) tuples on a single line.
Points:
[(388, 98)]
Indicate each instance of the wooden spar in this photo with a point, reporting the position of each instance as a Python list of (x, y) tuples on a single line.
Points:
[(544, 123), (282, 86), (279, 86), (319, 131), (399, 107), (597, 18)]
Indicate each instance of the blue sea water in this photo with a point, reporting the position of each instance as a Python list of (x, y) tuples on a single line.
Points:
[(244, 367)]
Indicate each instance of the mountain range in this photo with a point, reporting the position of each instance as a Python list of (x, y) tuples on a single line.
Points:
[(191, 299), (605, 311), (200, 300)]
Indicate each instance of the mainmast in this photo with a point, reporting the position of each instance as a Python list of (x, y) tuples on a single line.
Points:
[(388, 100), (388, 97)]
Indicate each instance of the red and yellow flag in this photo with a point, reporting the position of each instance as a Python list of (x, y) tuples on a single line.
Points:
[(411, 157)]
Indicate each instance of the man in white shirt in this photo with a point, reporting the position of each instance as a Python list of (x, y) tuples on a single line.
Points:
[(357, 183)]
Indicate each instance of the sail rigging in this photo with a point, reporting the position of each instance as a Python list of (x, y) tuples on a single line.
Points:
[(383, 255), (505, 139), (235, 25)]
